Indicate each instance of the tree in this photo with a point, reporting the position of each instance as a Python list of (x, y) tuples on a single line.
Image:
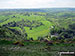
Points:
[(31, 38), (30, 28), (23, 32), (72, 26)]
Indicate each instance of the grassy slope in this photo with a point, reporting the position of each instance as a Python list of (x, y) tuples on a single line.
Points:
[(35, 32), (39, 31)]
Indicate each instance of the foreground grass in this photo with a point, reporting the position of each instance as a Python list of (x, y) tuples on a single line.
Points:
[(34, 49)]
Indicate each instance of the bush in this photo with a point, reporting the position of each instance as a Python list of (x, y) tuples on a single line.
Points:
[(31, 39), (54, 38), (5, 42)]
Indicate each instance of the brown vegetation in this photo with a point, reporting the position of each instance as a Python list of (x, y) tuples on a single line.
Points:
[(18, 43)]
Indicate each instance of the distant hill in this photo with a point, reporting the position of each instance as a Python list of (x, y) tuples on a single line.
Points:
[(39, 10), (22, 10), (59, 9)]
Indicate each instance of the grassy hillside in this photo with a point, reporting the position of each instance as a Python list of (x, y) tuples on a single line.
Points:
[(33, 24), (40, 26)]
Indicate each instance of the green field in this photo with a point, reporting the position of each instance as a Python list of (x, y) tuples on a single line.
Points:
[(40, 31)]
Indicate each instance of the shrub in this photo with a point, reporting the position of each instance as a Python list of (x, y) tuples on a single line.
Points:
[(54, 38)]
